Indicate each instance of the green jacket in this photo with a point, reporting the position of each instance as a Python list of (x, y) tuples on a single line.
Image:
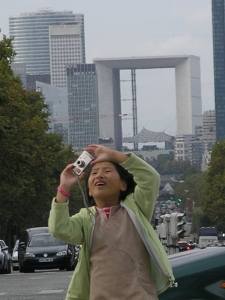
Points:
[(78, 229)]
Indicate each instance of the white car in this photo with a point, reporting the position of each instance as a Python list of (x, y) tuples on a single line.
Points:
[(15, 262)]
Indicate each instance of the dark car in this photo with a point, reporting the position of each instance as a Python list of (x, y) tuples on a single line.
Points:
[(44, 251), (200, 275), (24, 238), (5, 258), (184, 246)]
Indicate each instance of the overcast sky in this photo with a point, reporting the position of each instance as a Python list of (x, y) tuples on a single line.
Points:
[(125, 28)]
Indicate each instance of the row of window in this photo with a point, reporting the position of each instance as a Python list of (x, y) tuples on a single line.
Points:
[(66, 41), (181, 151)]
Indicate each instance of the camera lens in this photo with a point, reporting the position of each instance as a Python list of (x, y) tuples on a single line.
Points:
[(81, 163)]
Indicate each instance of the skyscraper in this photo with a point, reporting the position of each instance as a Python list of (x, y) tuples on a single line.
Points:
[(82, 105), (56, 99), (218, 25), (65, 50), (31, 38)]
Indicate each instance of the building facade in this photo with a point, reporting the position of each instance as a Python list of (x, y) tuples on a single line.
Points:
[(208, 136), (189, 147), (82, 105), (56, 99), (19, 69), (196, 148), (31, 38), (188, 92), (218, 26), (65, 50), (209, 126)]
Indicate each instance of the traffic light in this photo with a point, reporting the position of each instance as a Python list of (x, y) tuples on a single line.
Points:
[(161, 231), (179, 200), (163, 228), (177, 225)]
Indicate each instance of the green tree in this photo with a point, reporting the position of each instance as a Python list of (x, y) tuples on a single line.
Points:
[(213, 203), (162, 160), (166, 164), (31, 159), (191, 190), (199, 219)]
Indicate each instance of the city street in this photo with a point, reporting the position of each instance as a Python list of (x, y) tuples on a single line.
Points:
[(41, 285)]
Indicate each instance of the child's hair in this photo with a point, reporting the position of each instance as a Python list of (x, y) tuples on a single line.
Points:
[(124, 175)]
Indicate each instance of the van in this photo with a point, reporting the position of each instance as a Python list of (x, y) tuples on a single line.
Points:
[(207, 236)]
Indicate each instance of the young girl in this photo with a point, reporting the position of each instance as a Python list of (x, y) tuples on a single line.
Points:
[(121, 256)]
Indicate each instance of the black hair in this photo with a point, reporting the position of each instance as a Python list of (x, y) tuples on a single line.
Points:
[(127, 177)]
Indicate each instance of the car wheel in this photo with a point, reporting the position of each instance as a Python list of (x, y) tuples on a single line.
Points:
[(62, 268), (68, 268), (28, 270), (6, 268), (21, 268)]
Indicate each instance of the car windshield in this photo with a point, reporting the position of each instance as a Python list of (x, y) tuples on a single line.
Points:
[(44, 241)]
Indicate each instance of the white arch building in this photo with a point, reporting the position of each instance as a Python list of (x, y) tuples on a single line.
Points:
[(188, 92)]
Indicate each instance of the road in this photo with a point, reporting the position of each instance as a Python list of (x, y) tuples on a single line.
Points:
[(41, 285)]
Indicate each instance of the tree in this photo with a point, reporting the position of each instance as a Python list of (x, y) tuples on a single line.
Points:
[(162, 159), (31, 159), (166, 164), (214, 202), (191, 190)]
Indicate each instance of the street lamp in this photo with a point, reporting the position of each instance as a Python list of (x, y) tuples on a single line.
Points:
[(175, 180)]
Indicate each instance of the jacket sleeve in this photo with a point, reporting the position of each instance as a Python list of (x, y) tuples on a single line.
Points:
[(148, 182), (64, 227)]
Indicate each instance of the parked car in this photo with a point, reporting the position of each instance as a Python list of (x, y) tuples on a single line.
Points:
[(200, 275), (15, 261), (5, 258), (44, 251), (24, 237), (77, 251)]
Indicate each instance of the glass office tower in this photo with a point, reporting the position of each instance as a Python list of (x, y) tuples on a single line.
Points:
[(218, 24), (31, 37), (65, 50), (82, 105)]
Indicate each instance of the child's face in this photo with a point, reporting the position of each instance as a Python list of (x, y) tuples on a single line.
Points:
[(105, 184)]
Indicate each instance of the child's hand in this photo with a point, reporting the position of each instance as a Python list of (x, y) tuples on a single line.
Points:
[(102, 153), (68, 179)]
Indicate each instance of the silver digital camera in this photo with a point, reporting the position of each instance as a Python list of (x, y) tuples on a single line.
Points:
[(82, 162)]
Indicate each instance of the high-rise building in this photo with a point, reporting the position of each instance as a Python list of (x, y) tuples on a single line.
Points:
[(56, 99), (82, 105), (19, 69), (218, 25), (208, 136), (189, 147), (196, 148), (65, 50), (31, 38), (209, 126)]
